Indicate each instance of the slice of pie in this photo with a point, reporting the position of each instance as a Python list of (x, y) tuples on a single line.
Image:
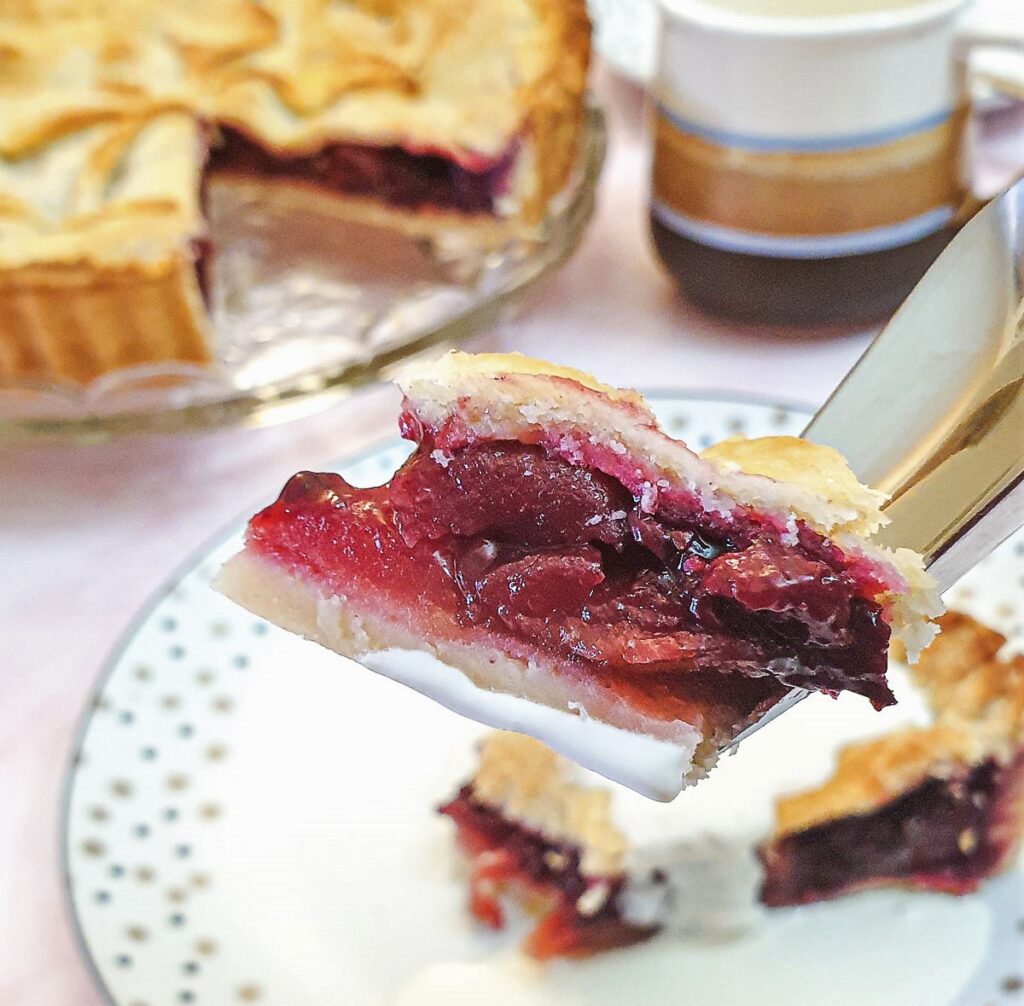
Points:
[(826, 801), (426, 117), (549, 561)]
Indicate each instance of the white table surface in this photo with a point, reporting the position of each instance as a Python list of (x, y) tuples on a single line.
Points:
[(88, 532)]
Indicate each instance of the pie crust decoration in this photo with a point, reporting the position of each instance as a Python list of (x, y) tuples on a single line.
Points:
[(116, 115), (550, 561)]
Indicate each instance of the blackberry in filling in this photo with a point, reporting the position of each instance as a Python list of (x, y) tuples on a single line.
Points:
[(390, 174), (945, 834), (668, 608), (578, 914)]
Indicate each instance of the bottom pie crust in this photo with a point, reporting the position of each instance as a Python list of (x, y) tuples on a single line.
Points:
[(654, 757), (78, 321)]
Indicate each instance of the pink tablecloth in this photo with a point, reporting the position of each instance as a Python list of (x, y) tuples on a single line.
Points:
[(86, 533)]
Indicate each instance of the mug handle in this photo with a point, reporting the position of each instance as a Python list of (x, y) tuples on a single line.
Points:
[(976, 33)]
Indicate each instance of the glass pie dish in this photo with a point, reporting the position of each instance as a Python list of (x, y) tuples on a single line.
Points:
[(306, 308)]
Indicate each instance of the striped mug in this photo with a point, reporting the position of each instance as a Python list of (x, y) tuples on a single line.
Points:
[(809, 155)]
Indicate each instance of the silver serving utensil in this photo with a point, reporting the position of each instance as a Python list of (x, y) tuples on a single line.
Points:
[(933, 412)]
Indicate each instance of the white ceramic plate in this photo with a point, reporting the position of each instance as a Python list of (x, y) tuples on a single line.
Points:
[(251, 819)]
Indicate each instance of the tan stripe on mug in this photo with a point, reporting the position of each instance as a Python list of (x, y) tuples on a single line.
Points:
[(809, 194)]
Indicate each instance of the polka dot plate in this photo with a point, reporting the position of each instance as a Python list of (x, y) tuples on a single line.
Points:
[(249, 819)]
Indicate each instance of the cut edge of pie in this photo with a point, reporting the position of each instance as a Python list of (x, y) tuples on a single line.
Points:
[(585, 720), (532, 833)]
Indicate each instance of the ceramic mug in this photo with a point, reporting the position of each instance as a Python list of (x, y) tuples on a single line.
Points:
[(833, 144)]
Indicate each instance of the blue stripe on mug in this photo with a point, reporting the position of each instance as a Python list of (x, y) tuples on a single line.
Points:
[(824, 246), (805, 144)]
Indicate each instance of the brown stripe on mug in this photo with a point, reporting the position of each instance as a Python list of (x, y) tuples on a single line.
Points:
[(809, 194)]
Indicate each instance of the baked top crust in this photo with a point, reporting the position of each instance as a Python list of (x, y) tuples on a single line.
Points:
[(509, 396), (440, 73), (781, 475), (871, 774), (112, 193)]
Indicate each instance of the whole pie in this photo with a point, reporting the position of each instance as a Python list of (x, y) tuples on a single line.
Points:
[(550, 561), (930, 798), (114, 114)]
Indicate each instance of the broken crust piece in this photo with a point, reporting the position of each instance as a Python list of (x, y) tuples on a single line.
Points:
[(928, 804), (558, 565), (994, 689), (939, 808), (529, 829)]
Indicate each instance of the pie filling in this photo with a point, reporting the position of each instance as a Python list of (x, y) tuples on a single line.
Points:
[(674, 610), (390, 174), (577, 915), (945, 835)]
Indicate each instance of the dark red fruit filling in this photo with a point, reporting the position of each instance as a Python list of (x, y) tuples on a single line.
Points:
[(945, 835), (512, 540), (504, 854), (391, 174)]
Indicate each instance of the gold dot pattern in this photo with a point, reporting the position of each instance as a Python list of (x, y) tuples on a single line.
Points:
[(143, 817)]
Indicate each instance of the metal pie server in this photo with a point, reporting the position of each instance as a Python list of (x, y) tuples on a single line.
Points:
[(933, 412)]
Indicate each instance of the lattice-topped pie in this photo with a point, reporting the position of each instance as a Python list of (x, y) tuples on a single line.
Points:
[(823, 802), (113, 113), (549, 560)]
